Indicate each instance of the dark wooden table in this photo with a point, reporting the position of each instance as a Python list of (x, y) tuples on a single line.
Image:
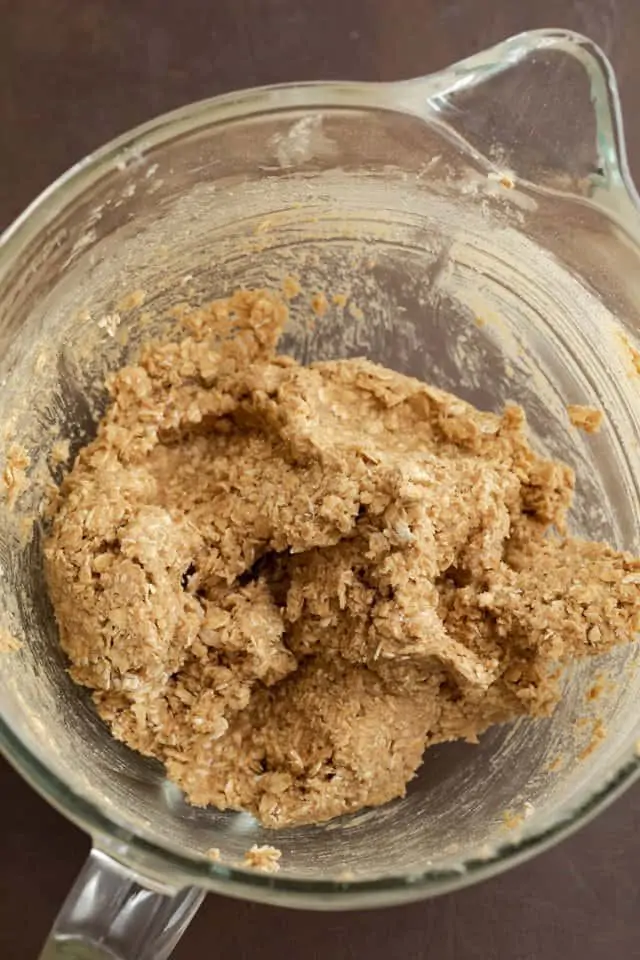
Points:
[(74, 73)]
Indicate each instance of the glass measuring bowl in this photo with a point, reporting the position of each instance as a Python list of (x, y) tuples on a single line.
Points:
[(481, 230)]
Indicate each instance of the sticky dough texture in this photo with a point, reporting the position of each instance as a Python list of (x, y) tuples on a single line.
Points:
[(286, 582)]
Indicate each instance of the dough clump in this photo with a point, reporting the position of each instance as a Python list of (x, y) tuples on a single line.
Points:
[(285, 581)]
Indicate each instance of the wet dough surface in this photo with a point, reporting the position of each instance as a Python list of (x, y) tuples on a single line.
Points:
[(286, 582)]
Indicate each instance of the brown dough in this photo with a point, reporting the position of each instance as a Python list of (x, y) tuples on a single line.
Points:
[(584, 418), (285, 582)]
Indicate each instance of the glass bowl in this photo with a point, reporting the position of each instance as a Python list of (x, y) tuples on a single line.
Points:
[(481, 230)]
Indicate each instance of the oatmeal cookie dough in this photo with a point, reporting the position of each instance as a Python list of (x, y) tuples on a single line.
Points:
[(584, 418), (286, 582)]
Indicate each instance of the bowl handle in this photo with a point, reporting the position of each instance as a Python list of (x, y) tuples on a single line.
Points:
[(112, 914), (542, 107)]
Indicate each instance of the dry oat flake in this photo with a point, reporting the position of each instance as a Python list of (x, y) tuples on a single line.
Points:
[(286, 582)]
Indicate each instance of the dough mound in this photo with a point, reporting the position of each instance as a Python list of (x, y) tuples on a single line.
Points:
[(286, 582)]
